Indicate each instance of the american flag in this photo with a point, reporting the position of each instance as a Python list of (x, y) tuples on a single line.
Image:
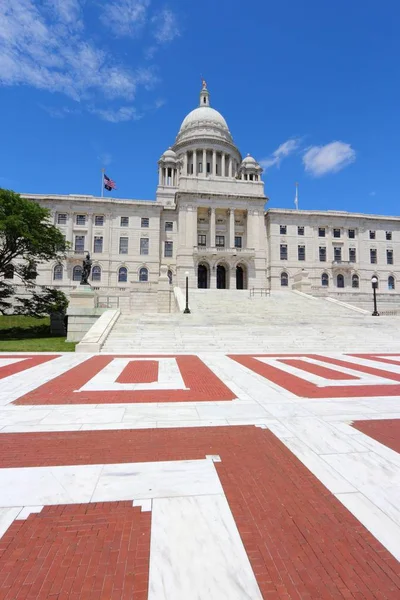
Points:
[(109, 184)]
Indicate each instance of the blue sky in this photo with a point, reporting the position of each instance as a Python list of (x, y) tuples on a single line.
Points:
[(311, 89)]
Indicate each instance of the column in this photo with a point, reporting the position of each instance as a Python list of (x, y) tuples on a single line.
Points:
[(69, 229), (223, 164), (230, 167), (195, 163), (232, 228), (204, 163), (185, 164), (89, 241), (212, 227), (214, 163), (160, 175)]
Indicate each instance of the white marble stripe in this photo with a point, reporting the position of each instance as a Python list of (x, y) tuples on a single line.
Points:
[(196, 552), (5, 362)]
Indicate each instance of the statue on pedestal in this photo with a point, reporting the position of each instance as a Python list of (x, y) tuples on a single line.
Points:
[(86, 270)]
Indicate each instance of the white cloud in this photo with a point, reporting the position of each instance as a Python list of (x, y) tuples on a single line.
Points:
[(125, 17), (60, 112), (119, 115), (331, 158), (283, 151), (166, 26)]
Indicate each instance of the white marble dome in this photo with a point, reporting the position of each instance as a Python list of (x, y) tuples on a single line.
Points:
[(203, 114), (169, 155), (249, 161)]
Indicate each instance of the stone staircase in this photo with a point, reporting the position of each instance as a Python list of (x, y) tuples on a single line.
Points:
[(231, 321)]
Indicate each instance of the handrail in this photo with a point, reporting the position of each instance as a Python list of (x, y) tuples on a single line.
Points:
[(263, 291)]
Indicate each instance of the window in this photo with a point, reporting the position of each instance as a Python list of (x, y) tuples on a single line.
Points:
[(371, 234), (62, 219), (337, 254), (325, 280), (321, 232), (123, 245), (301, 252), (322, 254), (144, 222), (143, 274), (98, 244), (80, 243), (191, 169), (352, 233), (208, 167), (96, 273), (373, 256), (389, 257), (300, 231), (238, 241), (283, 251), (284, 279), (388, 235), (58, 272), (169, 226), (99, 221), (282, 229), (124, 222), (220, 241), (77, 273), (352, 255), (81, 219), (391, 284), (9, 272), (355, 281), (168, 249), (336, 233), (340, 281), (144, 245), (122, 275), (200, 167), (202, 240)]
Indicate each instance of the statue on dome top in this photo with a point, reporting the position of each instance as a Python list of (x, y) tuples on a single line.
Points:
[(204, 84)]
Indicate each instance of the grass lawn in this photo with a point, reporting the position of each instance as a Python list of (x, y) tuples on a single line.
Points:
[(27, 334)]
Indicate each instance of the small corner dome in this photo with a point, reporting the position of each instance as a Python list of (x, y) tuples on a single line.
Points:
[(249, 161), (169, 155)]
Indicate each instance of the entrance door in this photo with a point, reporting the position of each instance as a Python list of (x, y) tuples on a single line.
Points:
[(202, 276), (221, 277), (239, 278)]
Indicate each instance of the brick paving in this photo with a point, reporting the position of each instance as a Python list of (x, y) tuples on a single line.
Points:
[(301, 541), (26, 362), (385, 431), (139, 371)]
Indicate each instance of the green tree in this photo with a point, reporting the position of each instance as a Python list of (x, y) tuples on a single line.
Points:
[(27, 238)]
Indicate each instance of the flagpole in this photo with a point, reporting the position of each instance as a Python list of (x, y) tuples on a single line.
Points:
[(102, 182)]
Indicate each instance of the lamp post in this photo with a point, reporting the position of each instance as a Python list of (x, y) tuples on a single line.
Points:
[(374, 282), (187, 309)]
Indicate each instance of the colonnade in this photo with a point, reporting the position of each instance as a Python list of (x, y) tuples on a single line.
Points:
[(205, 162)]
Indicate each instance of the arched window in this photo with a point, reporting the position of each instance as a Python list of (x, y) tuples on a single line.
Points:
[(77, 273), (355, 281), (143, 274), (58, 272), (170, 276), (96, 273), (391, 282), (340, 281), (122, 275), (284, 279), (325, 280), (9, 272)]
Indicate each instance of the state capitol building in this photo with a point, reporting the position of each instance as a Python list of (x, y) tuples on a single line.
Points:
[(209, 219)]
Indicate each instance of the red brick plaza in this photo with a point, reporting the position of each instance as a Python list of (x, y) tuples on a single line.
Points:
[(210, 476)]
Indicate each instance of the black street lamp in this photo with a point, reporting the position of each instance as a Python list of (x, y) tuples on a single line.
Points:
[(374, 282), (187, 309)]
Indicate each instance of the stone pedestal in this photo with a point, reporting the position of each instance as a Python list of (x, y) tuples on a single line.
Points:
[(82, 312), (302, 282)]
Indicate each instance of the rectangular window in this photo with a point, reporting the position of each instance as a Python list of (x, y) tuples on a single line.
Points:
[(337, 254), (144, 222), (300, 231), (336, 233), (372, 235), (283, 252), (98, 243), (321, 231), (81, 219), (168, 249), (99, 221), (373, 256), (322, 254), (124, 222), (123, 245), (208, 167), (62, 219), (202, 240), (238, 241), (352, 255), (220, 241), (389, 257), (301, 252), (144, 245), (191, 169), (352, 233), (282, 229), (79, 243), (169, 226), (388, 235), (200, 167)]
